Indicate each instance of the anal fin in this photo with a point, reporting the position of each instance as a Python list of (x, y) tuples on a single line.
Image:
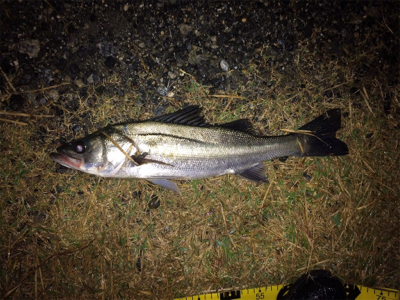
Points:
[(255, 174)]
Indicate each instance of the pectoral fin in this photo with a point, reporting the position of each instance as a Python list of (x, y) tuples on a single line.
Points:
[(255, 174), (166, 184)]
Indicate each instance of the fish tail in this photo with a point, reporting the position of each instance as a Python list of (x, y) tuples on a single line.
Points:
[(319, 137)]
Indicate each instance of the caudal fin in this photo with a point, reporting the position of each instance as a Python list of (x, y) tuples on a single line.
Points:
[(321, 140)]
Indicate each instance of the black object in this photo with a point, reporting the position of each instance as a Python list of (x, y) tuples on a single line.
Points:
[(230, 295), (315, 285)]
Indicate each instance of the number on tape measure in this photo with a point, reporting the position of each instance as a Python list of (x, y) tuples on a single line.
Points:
[(355, 292), (260, 296)]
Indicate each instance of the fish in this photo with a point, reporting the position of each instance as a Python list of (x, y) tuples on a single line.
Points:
[(183, 146)]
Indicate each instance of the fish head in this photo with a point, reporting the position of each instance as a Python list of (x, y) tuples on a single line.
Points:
[(88, 154)]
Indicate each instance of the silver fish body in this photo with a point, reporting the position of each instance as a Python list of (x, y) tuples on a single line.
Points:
[(182, 145)]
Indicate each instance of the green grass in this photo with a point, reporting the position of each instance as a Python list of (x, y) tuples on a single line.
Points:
[(77, 236)]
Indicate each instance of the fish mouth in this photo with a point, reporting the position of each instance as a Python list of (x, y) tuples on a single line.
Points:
[(66, 161)]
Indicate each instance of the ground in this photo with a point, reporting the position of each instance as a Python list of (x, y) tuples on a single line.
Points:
[(69, 68)]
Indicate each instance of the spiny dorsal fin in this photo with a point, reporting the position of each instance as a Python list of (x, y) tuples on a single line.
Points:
[(187, 116)]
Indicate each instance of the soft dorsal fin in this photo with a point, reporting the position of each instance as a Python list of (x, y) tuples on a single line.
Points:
[(243, 125), (187, 116)]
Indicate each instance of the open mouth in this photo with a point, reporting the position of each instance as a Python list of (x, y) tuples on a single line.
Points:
[(66, 161)]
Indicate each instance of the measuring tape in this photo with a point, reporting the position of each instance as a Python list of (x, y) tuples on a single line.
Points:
[(356, 292)]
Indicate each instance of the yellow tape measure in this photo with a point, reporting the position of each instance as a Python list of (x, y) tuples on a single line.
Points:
[(356, 292)]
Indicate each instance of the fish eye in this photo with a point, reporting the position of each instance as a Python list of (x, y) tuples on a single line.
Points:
[(80, 147)]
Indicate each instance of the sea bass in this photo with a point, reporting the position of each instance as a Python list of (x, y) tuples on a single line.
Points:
[(182, 146)]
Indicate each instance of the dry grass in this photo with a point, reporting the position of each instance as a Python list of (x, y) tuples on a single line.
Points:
[(73, 235)]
